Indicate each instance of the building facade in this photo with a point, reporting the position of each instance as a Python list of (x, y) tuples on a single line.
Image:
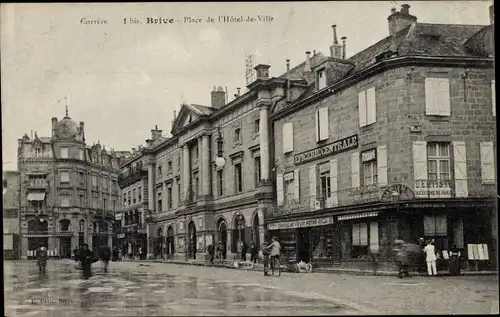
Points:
[(11, 215), (68, 190), (395, 142)]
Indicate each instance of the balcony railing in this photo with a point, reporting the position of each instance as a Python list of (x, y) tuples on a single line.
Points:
[(374, 193), (37, 185), (32, 211), (134, 175)]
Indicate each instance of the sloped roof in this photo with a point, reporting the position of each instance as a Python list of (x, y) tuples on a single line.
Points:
[(425, 39), (203, 109), (298, 73)]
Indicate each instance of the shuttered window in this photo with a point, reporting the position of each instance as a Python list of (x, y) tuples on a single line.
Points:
[(355, 170), (296, 183), (487, 163), (437, 96), (322, 127), (288, 137), (279, 189), (382, 165), (312, 186), (360, 234), (333, 200), (64, 152), (321, 79), (81, 154), (64, 177), (420, 168), (435, 225), (367, 107), (65, 201), (460, 169)]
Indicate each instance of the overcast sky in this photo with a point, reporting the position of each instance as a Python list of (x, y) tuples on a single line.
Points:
[(123, 79)]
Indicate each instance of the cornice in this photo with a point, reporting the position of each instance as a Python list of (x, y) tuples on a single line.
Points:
[(397, 62)]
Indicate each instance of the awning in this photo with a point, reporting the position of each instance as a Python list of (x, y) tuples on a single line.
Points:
[(36, 196), (357, 216), (300, 223)]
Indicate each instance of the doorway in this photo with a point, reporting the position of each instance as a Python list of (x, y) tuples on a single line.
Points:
[(65, 247), (223, 236), (170, 241), (304, 244), (192, 240)]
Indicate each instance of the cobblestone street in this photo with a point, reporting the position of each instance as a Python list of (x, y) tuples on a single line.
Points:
[(139, 289)]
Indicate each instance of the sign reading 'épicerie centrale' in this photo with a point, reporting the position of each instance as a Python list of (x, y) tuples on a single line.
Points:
[(328, 149)]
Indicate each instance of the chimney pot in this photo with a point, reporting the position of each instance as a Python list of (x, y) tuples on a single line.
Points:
[(405, 9), (287, 65), (335, 41), (307, 67), (344, 38), (239, 90)]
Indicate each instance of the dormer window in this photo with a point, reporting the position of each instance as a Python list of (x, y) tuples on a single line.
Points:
[(321, 79)]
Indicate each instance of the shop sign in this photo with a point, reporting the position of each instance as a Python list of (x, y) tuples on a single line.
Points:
[(357, 216), (300, 223), (118, 216), (120, 235), (328, 149)]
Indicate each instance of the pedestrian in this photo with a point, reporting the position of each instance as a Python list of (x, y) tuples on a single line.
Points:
[(421, 256), (265, 255), (220, 251), (41, 257), (243, 251), (401, 258), (86, 258), (104, 255), (430, 258), (454, 266), (253, 252), (210, 250), (373, 258), (120, 255), (130, 254)]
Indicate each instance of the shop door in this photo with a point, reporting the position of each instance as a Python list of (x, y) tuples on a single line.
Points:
[(304, 245), (65, 247)]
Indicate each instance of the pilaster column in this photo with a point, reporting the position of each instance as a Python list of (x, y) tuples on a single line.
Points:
[(264, 142), (205, 165), (151, 178), (185, 170)]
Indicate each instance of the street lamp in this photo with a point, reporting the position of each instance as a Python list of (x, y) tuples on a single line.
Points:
[(219, 160)]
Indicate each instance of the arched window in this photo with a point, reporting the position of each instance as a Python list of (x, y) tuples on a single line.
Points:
[(82, 226)]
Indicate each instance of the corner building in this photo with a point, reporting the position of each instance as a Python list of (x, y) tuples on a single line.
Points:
[(68, 191), (11, 215), (395, 142)]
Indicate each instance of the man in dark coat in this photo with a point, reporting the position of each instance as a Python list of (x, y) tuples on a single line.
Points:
[(211, 252), (86, 258), (243, 251), (105, 255), (41, 257), (253, 252)]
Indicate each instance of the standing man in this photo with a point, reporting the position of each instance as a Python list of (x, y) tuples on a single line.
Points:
[(105, 255), (87, 257), (430, 258), (211, 253), (41, 257), (253, 252), (243, 251), (265, 256)]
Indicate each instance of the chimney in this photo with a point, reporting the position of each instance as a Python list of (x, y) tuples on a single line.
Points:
[(82, 130), (287, 65), (400, 20), (54, 122), (288, 80), (239, 91), (336, 48), (156, 134), (492, 14), (343, 46), (307, 67), (262, 71), (218, 98)]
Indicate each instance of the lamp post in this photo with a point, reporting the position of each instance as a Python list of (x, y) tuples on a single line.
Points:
[(220, 161)]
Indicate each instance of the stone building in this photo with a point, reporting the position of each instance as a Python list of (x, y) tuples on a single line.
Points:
[(68, 190), (11, 215), (396, 142)]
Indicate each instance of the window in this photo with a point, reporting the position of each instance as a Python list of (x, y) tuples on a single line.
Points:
[(94, 180), (324, 181), (289, 187), (256, 127), (178, 191), (237, 136), (82, 178), (220, 182), (81, 154), (364, 239), (125, 199), (437, 96), (169, 167), (196, 185), (134, 196), (65, 201), (160, 207), (435, 226), (81, 200), (288, 137), (196, 153), (64, 152), (114, 205), (129, 194), (104, 183), (257, 170), (322, 127), (159, 172), (64, 178), (438, 164), (367, 107), (369, 161), (321, 79), (487, 154), (105, 204), (139, 194), (38, 152), (169, 197), (238, 178)]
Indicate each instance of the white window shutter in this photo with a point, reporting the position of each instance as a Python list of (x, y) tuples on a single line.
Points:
[(312, 186), (431, 97), (296, 184), (355, 234), (355, 169), (460, 167), (334, 200), (288, 137), (317, 124), (279, 189), (323, 124), (362, 108), (64, 152), (374, 244), (363, 234), (444, 96), (487, 163), (493, 98), (382, 164), (371, 107), (420, 168)]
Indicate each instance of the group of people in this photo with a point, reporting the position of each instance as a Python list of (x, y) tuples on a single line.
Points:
[(426, 256)]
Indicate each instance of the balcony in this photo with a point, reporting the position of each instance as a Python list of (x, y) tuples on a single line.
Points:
[(37, 185), (31, 211), (422, 189), (133, 176)]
